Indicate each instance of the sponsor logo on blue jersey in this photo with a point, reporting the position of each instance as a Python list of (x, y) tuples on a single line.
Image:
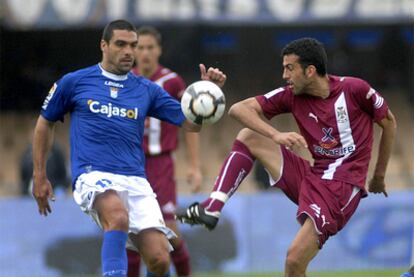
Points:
[(110, 110)]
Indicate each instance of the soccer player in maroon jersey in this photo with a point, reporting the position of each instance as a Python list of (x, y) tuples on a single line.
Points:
[(160, 141), (335, 116)]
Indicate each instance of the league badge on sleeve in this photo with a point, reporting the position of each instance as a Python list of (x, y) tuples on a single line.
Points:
[(49, 96)]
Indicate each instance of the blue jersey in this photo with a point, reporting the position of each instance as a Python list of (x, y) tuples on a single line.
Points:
[(107, 118)]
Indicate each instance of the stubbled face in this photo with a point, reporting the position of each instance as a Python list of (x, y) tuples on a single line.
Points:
[(294, 74), (147, 53), (118, 54)]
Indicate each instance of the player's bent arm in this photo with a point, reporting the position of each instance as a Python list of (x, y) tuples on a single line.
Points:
[(389, 126), (250, 114), (190, 126)]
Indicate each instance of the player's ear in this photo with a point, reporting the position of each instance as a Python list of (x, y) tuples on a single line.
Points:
[(103, 44), (310, 71)]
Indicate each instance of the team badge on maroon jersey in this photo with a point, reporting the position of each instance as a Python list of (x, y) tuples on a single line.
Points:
[(341, 115)]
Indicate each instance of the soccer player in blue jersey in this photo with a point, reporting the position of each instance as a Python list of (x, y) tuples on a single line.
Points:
[(108, 106), (409, 273)]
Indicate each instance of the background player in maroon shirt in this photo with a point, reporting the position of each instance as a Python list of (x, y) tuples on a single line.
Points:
[(160, 141), (335, 116)]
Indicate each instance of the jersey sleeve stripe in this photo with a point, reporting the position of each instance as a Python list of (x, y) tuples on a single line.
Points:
[(272, 93), (165, 78), (379, 101)]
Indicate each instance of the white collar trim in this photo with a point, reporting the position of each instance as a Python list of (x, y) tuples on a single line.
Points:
[(113, 76)]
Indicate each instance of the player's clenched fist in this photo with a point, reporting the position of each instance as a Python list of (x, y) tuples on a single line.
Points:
[(290, 140)]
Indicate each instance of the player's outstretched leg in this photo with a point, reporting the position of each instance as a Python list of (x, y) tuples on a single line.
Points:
[(248, 146), (234, 169), (195, 214)]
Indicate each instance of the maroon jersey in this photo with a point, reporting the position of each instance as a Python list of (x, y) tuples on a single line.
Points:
[(159, 136), (338, 129)]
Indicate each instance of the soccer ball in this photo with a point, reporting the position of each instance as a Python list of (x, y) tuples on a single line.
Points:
[(203, 102)]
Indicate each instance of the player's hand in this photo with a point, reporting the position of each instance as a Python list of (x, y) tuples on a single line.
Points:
[(377, 185), (214, 75), (195, 179), (291, 140), (42, 192)]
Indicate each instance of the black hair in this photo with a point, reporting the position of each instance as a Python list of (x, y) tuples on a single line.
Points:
[(310, 52), (148, 30), (119, 24)]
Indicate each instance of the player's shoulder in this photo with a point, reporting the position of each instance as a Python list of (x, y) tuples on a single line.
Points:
[(165, 70), (348, 81), (167, 74), (80, 73), (141, 81), (349, 85)]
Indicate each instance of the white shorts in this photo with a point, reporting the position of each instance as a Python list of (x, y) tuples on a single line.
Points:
[(136, 194)]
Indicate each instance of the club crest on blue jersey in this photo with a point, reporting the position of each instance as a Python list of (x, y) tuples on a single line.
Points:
[(114, 92)]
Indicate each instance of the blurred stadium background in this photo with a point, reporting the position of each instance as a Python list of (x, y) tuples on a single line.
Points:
[(40, 40)]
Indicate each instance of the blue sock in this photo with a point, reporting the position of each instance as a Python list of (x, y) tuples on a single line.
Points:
[(113, 254), (149, 274), (407, 274)]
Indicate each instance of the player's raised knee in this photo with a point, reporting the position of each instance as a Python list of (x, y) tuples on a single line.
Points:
[(247, 136)]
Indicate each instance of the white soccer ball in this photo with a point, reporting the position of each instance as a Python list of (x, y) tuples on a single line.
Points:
[(203, 102)]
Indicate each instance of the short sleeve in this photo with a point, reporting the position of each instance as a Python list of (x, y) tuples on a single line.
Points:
[(175, 87), (276, 102), (369, 99), (165, 107), (58, 102)]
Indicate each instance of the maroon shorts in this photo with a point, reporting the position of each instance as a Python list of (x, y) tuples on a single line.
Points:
[(329, 203), (160, 174)]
